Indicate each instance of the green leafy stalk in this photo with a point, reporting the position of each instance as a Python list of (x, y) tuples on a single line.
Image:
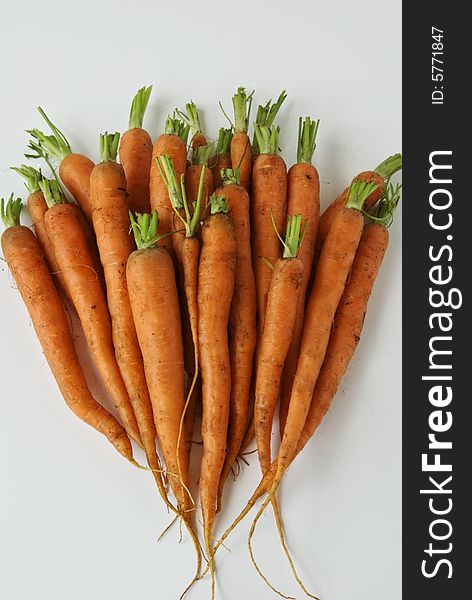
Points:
[(31, 175), (175, 126), (48, 146), (387, 206), (109, 146), (242, 109), (390, 166), (358, 193), (11, 212), (52, 192), (307, 132), (191, 117), (144, 228), (202, 154), (230, 176), (294, 235), (266, 116), (224, 141), (178, 194), (267, 138), (218, 205), (138, 107)]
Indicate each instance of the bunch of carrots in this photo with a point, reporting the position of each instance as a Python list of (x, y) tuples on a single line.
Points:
[(206, 283)]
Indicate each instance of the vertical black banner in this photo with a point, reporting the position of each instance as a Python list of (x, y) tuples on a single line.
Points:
[(437, 212)]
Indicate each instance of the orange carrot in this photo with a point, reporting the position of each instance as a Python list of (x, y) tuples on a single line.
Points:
[(282, 308), (35, 284), (241, 144), (379, 176), (222, 159), (269, 191), (242, 321), (74, 169), (215, 291), (200, 158), (192, 118), (155, 306), (303, 198), (76, 264), (172, 143), (111, 223), (136, 153)]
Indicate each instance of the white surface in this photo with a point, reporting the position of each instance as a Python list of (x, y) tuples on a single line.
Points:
[(76, 521)]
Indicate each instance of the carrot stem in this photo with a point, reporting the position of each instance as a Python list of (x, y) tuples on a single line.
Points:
[(191, 117), (267, 138), (175, 126), (144, 227), (230, 176), (358, 193), (109, 146), (307, 132), (52, 192), (224, 141), (201, 155), (138, 107), (11, 213), (387, 205), (390, 166), (242, 109), (266, 116), (47, 146), (31, 175), (218, 205)]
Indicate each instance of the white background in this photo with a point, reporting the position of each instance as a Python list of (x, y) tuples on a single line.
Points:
[(76, 521)]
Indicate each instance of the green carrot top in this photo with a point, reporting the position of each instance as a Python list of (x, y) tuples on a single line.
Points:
[(224, 141), (191, 117), (144, 227), (358, 193), (175, 126), (387, 205), (390, 166), (201, 155), (11, 212), (178, 195), (267, 138), (307, 132), (31, 175), (230, 176), (218, 205), (266, 116), (48, 146), (242, 109), (138, 107), (52, 192), (294, 235), (109, 146)]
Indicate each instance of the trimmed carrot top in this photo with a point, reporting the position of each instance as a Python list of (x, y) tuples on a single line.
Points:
[(358, 193), (31, 175), (390, 166), (11, 212), (175, 126), (307, 132), (266, 116), (201, 155), (191, 117), (218, 205), (267, 138), (48, 146), (109, 146), (144, 227), (230, 176), (138, 107), (52, 192), (224, 141), (242, 109), (387, 205)]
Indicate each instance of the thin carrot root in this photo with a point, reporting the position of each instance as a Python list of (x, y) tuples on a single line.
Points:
[(251, 553), (167, 528)]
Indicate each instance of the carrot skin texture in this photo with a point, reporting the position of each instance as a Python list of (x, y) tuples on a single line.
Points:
[(241, 158), (282, 305), (175, 148), (74, 171), (76, 263), (222, 162), (37, 208), (242, 326), (269, 192), (198, 140), (215, 291), (111, 224), (303, 198), (155, 305), (332, 272), (135, 157), (29, 269)]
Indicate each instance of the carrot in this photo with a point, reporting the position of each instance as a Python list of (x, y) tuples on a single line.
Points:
[(380, 176), (155, 306), (37, 208), (111, 224), (74, 168), (192, 118), (242, 321), (215, 291), (282, 311), (187, 251), (136, 153), (303, 197), (172, 143), (222, 159), (36, 286), (266, 116), (75, 261), (345, 334), (200, 158), (241, 144), (269, 191)]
